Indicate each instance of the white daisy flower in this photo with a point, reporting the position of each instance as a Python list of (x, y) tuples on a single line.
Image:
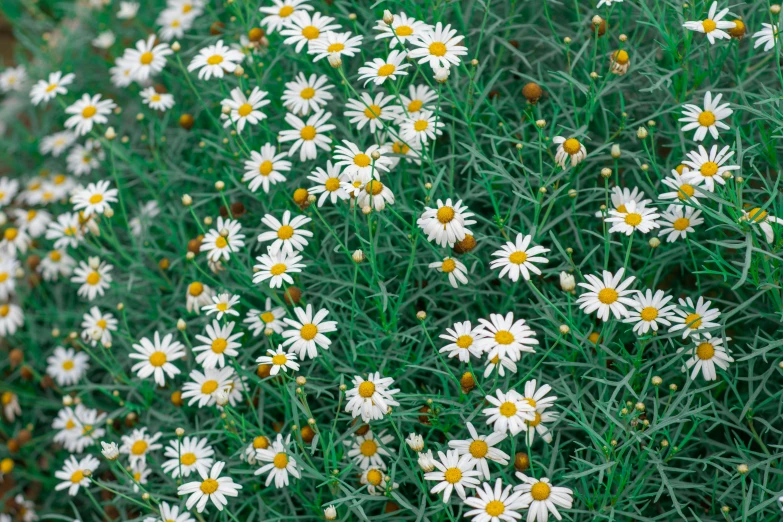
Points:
[(55, 144), (713, 26), (88, 111), (375, 480), (121, 74), (244, 109), (519, 258), (270, 317), (501, 364), (569, 149), (46, 90), (695, 317), (379, 70), (97, 327), (211, 487), (684, 188), (128, 10), (224, 240), (760, 217), (421, 127), (138, 443), (277, 267), (453, 473), (709, 167), (480, 449), (705, 355), (74, 474), (303, 28), (140, 473), (287, 236), (188, 455), (707, 120), (8, 189), (279, 360), (94, 199), (14, 240), (34, 222), (494, 505), (223, 304), (538, 425), (374, 194), (641, 219), (279, 15), (677, 221), (259, 442), (402, 29), (606, 296), (147, 59), (648, 310), (204, 386), (265, 168), (541, 497), (328, 184), (608, 3), (508, 412), (94, 278), (353, 160), (439, 47), (280, 462), (173, 24), (104, 40), (620, 197), (308, 136), (8, 267), (373, 110), (197, 296), (13, 79), (306, 94), (67, 366), (215, 60), (169, 513), (464, 341), (335, 44), (455, 269), (420, 97), (155, 358), (219, 343), (503, 336), (155, 100), (368, 450), (447, 223), (10, 403), (767, 37), (56, 264), (371, 399), (67, 425), (306, 335), (83, 159), (87, 428)]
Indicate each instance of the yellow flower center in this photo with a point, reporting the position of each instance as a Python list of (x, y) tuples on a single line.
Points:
[(437, 49), (709, 169), (51, 87), (139, 447), (421, 125), (366, 389), (155, 97), (633, 219), (405, 30), (536, 421), (219, 345), (266, 168), (478, 449), (7, 398), (757, 215), (307, 93), (453, 475), (195, 288), (594, 337), (706, 119), (445, 214), (361, 160), (93, 278), (621, 57), (448, 266), (508, 409), (386, 69), (285, 11), (709, 25), (89, 111), (267, 317), (277, 269), (188, 459), (693, 321), (685, 191), (649, 313), (96, 198), (374, 477), (518, 257), (415, 105), (68, 365), (464, 341), (245, 109), (285, 232), (400, 148), (222, 306), (209, 486), (101, 323), (571, 146), (705, 351), (504, 337), (157, 359), (332, 184), (281, 461), (215, 59), (279, 359), (146, 58), (311, 32), (372, 111), (308, 133), (70, 424), (368, 448), (3, 277), (540, 491), (209, 387), (221, 242), (495, 508), (374, 187), (4, 311), (260, 442), (77, 476), (335, 47), (10, 234), (608, 296), (308, 332), (681, 224)]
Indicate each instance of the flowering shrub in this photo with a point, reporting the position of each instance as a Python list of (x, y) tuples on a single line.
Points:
[(314, 260)]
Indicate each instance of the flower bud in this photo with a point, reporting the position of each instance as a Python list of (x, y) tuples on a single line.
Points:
[(641, 133), (415, 442), (388, 18), (567, 282)]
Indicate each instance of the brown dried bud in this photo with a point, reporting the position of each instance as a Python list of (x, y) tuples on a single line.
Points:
[(176, 399), (467, 382), (521, 461), (307, 434), (466, 245), (292, 296), (186, 121), (255, 34), (532, 92)]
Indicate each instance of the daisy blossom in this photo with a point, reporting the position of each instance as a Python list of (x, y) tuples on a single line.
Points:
[(371, 399), (279, 461), (204, 386), (438, 47), (480, 449), (88, 111), (607, 296), (224, 240), (519, 258), (368, 450), (269, 318), (306, 94), (695, 317), (279, 360), (147, 58), (67, 366), (97, 326), (713, 26), (641, 219), (244, 109), (215, 60), (276, 268), (710, 167), (678, 221), (211, 487), (620, 197), (335, 44), (707, 120), (46, 90), (94, 199), (705, 355), (265, 168), (503, 336), (508, 411), (328, 184), (494, 504), (767, 37), (447, 223), (74, 474), (379, 70), (453, 473), (569, 149), (402, 29), (303, 28), (279, 14), (219, 343), (455, 269), (373, 110), (155, 358), (155, 100), (138, 443), (648, 310), (94, 277), (188, 455), (421, 127), (287, 235), (223, 304), (308, 136), (541, 497), (354, 160), (307, 334)]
